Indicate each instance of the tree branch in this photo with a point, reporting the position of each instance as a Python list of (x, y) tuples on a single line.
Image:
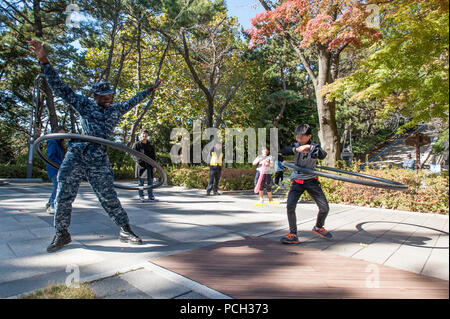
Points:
[(186, 57), (18, 12), (150, 102), (291, 41), (231, 92)]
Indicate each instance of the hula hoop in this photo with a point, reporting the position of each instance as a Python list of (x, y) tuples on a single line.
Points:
[(379, 182), (103, 142)]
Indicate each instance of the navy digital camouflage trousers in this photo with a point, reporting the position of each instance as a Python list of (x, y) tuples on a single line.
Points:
[(91, 162)]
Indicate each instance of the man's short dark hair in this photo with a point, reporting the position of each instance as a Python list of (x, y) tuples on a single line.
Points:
[(145, 131), (303, 129)]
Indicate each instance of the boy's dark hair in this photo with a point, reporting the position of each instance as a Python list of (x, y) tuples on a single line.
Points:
[(145, 131), (58, 128), (303, 129)]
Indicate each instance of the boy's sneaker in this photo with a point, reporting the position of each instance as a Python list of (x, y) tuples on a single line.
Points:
[(290, 239), (51, 210), (142, 199), (261, 200), (152, 199), (322, 232)]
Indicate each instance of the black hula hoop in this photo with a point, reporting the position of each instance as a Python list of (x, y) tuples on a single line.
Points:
[(103, 142), (379, 182)]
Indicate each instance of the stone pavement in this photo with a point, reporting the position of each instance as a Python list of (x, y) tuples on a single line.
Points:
[(183, 220)]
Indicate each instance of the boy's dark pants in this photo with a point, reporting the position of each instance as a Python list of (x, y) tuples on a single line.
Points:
[(214, 177), (313, 187)]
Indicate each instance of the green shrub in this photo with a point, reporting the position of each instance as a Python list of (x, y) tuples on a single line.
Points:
[(125, 173), (426, 193), (20, 171), (198, 177)]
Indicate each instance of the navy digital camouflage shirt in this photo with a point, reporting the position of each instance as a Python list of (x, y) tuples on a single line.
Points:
[(95, 119)]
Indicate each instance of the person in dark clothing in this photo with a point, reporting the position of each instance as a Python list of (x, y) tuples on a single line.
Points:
[(55, 154), (215, 169), (144, 170), (279, 170), (306, 155)]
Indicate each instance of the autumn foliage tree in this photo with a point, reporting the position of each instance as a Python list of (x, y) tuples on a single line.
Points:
[(318, 31), (407, 70)]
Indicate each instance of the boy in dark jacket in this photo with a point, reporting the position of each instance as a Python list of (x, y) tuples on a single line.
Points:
[(144, 146), (306, 155)]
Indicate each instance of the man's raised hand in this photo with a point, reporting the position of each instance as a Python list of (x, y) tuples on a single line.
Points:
[(38, 50), (157, 84)]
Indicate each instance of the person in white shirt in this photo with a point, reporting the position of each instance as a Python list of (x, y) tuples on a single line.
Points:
[(265, 164)]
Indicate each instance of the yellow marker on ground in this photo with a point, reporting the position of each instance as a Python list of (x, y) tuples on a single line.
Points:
[(268, 203)]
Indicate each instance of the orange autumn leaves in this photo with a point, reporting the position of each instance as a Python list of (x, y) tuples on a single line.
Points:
[(331, 23)]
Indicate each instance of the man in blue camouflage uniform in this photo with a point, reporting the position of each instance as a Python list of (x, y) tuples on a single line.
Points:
[(84, 159)]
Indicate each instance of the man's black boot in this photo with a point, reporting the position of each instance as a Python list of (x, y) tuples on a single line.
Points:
[(61, 239), (126, 235)]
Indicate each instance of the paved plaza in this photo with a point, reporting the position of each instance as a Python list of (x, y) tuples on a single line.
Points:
[(185, 220)]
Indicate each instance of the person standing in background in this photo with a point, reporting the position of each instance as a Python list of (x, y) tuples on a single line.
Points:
[(144, 169), (409, 163), (265, 163), (55, 152), (215, 169), (279, 170)]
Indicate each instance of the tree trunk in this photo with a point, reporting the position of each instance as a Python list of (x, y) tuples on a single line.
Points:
[(209, 113), (49, 102), (328, 69), (283, 106), (139, 56), (38, 119), (328, 134), (37, 18), (119, 72), (231, 92), (49, 99), (139, 61), (111, 50)]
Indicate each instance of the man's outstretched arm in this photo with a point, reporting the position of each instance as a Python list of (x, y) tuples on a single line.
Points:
[(138, 98), (60, 89)]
